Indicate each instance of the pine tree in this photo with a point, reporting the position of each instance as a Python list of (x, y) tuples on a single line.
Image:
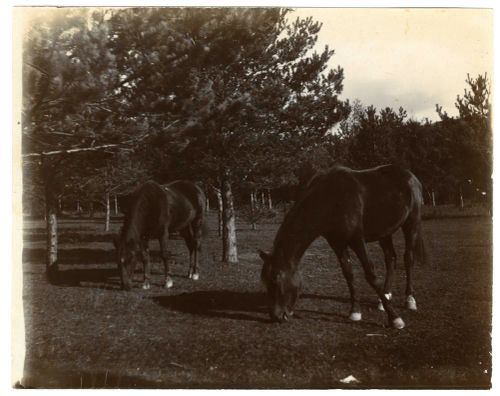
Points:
[(240, 85)]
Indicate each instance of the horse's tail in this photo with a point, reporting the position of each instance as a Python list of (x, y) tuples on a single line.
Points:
[(420, 251)]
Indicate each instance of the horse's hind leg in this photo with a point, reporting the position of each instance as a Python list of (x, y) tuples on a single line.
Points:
[(146, 259), (196, 247), (192, 236), (410, 231), (346, 265), (165, 258), (359, 247), (390, 260), (187, 234)]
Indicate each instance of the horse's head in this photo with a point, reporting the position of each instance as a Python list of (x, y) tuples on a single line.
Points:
[(126, 255), (283, 286)]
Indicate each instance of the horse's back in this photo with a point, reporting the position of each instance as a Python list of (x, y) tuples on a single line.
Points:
[(186, 203), (392, 194), (376, 200), (189, 190), (154, 206), (388, 179)]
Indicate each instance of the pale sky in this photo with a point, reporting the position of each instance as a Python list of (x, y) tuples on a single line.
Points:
[(412, 58)]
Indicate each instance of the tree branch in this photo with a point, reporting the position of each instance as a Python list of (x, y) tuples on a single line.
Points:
[(70, 151), (92, 148), (37, 68)]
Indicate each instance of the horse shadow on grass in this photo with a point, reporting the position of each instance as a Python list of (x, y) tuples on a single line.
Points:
[(85, 261), (102, 278), (94, 267), (251, 306), (367, 304), (364, 301), (73, 256), (71, 237)]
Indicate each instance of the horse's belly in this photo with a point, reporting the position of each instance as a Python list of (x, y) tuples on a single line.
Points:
[(376, 233), (380, 223), (179, 225)]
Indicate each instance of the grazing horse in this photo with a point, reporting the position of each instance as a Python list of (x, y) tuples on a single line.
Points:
[(348, 208), (155, 211)]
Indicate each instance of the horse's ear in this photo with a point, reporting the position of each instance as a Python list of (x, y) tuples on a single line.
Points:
[(265, 273), (263, 255)]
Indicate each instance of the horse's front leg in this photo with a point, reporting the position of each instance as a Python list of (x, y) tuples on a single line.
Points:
[(146, 260), (342, 253), (165, 258)]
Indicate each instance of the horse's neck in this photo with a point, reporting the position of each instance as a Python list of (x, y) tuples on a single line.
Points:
[(135, 224), (130, 231), (294, 237)]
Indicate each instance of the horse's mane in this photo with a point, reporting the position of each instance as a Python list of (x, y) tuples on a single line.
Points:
[(294, 211)]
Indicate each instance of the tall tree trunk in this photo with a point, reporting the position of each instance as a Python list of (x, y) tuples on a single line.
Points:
[(78, 207), (229, 248), (116, 205), (108, 213), (219, 211), (51, 209), (433, 199), (207, 205), (252, 210), (51, 227), (269, 199), (263, 199), (91, 209)]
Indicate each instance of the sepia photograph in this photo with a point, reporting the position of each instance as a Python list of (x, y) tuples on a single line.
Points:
[(252, 197)]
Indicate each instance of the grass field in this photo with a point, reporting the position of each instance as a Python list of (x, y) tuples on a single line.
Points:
[(86, 332)]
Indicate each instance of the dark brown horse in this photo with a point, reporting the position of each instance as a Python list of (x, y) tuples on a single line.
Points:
[(155, 211), (348, 208)]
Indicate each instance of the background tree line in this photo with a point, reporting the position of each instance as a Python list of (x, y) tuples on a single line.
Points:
[(237, 99)]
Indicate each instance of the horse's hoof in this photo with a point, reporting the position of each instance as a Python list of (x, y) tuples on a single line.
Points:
[(146, 286), (355, 316), (398, 323), (411, 304), (380, 306), (195, 277), (168, 283)]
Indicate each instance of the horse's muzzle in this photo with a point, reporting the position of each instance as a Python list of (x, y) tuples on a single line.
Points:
[(125, 277), (126, 283)]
